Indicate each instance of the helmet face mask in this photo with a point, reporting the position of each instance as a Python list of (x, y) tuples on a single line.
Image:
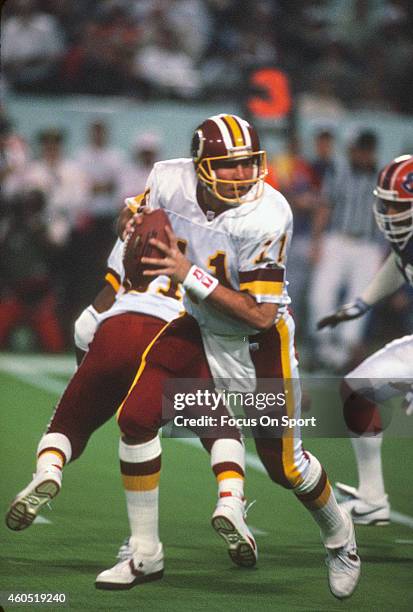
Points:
[(234, 191), (393, 208), (220, 146)]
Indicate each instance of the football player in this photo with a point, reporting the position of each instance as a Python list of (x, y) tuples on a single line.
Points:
[(389, 371), (236, 230), (112, 335)]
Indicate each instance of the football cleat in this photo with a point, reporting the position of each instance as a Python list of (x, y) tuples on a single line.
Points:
[(344, 566), (130, 572), (228, 521), (28, 503), (364, 512)]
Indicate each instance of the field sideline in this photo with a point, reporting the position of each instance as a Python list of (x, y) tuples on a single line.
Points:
[(81, 534)]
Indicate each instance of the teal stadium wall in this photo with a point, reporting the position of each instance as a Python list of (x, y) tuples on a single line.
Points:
[(174, 122)]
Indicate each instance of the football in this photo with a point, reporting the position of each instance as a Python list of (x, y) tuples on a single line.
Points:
[(137, 245)]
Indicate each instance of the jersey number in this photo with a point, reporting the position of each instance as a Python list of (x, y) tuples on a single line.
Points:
[(218, 265), (281, 253)]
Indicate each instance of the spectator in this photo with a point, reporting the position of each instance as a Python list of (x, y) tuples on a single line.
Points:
[(346, 249), (189, 19), (63, 183), (103, 165), (91, 241), (323, 158), (32, 45), (146, 150), (100, 60), (166, 68), (14, 154), (28, 295)]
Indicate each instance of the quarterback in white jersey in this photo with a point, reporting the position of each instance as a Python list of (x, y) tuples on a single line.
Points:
[(244, 248), (111, 335), (388, 372), (228, 248)]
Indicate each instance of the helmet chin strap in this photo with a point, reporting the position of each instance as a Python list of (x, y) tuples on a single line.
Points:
[(210, 204)]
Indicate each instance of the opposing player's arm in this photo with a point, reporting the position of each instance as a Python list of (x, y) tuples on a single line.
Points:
[(242, 305), (386, 282)]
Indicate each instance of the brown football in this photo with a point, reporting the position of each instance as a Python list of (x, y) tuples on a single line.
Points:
[(137, 246)]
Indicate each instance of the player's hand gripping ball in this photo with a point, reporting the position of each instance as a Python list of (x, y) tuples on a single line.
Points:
[(137, 245)]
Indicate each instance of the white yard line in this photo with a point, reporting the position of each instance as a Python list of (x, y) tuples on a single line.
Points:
[(40, 520), (31, 369), (401, 519), (61, 364)]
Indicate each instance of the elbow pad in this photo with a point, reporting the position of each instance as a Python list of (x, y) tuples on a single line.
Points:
[(85, 327)]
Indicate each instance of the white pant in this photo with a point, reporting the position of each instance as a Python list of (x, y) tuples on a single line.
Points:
[(348, 263), (381, 376)]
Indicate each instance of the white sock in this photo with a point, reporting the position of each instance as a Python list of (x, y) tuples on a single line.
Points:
[(143, 517), (53, 452), (370, 472), (140, 468), (228, 465), (316, 494)]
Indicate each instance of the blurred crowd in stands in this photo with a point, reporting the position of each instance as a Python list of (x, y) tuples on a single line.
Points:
[(57, 213), (57, 226), (352, 54)]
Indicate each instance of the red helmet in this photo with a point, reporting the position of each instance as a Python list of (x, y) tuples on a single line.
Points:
[(227, 137), (395, 184)]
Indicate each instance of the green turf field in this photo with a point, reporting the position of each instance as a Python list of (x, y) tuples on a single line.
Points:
[(88, 522)]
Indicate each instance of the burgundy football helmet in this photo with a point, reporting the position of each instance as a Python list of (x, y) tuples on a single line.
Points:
[(228, 137)]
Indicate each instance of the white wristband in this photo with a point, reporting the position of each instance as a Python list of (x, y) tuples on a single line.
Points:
[(199, 283), (85, 327)]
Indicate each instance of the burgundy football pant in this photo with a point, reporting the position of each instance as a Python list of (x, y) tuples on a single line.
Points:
[(178, 353), (106, 373)]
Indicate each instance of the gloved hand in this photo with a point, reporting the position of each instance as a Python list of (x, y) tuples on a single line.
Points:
[(352, 310)]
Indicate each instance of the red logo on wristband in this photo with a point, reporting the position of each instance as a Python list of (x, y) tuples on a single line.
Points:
[(203, 278)]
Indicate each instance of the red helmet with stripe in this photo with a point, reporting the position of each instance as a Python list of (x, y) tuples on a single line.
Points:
[(395, 186), (224, 138)]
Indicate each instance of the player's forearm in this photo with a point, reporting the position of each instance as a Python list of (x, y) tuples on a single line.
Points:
[(200, 285), (387, 280), (243, 307)]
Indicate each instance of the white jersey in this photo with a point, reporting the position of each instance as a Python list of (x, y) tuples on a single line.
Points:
[(161, 299), (244, 247)]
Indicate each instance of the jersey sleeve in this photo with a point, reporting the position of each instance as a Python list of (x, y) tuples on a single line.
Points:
[(262, 268), (148, 198), (115, 272)]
